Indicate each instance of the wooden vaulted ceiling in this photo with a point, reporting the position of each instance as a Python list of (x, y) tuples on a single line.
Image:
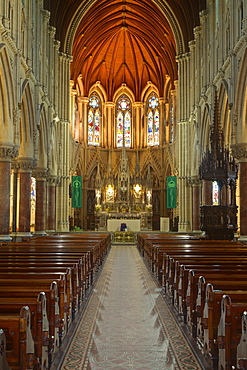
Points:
[(123, 41)]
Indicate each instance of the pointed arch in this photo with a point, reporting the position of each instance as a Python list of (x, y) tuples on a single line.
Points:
[(94, 119), (240, 129), (27, 122), (99, 89), (123, 121), (7, 98)]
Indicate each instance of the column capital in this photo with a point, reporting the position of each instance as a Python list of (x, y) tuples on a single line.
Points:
[(197, 31), (239, 151), (8, 152), (83, 99), (194, 181), (138, 104), (52, 180), (41, 173), (24, 164), (110, 104)]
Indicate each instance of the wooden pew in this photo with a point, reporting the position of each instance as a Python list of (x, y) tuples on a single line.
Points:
[(184, 267), (88, 253), (35, 263), (56, 332), (212, 314), (39, 323), (188, 290), (231, 330), (63, 283), (241, 361), (3, 360), (19, 342)]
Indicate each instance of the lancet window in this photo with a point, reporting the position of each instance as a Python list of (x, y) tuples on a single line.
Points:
[(153, 120), (215, 193), (94, 120), (123, 121)]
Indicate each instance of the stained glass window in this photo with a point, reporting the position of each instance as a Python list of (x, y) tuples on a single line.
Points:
[(215, 193), (123, 121), (94, 119), (33, 202), (153, 120)]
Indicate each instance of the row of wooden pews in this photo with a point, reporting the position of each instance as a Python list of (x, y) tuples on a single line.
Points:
[(206, 283), (43, 285)]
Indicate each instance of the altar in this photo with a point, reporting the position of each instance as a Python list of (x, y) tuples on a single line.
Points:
[(115, 224)]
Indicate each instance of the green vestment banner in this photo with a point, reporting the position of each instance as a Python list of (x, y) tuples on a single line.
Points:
[(76, 191), (171, 192)]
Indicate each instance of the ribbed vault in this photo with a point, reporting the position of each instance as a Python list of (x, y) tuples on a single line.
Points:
[(124, 41)]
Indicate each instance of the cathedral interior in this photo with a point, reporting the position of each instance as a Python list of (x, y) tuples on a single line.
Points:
[(123, 95), (120, 117), (117, 93)]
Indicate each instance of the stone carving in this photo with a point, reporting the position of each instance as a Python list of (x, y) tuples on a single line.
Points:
[(8, 153), (41, 173), (239, 151), (24, 164)]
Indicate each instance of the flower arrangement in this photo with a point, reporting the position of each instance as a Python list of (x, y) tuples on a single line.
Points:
[(149, 207), (97, 208)]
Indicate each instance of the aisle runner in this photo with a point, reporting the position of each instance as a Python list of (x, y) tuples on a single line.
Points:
[(126, 323)]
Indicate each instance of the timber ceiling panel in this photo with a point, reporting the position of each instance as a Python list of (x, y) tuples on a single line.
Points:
[(128, 41)]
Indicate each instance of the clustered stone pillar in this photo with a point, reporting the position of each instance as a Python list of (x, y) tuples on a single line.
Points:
[(40, 209), (51, 206), (239, 151), (25, 170), (109, 113), (243, 197), (6, 155), (138, 115)]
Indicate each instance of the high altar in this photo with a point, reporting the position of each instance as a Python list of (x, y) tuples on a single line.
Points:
[(124, 199)]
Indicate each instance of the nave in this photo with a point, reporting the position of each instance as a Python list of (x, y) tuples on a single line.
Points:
[(126, 323)]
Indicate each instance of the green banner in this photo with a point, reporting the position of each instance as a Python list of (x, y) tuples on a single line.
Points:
[(171, 192), (76, 191)]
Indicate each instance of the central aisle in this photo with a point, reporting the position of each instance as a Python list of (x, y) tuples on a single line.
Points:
[(126, 324)]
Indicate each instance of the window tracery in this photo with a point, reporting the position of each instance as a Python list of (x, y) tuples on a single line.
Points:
[(153, 120), (123, 121), (94, 120)]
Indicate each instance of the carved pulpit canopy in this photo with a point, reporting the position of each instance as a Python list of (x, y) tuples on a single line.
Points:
[(218, 165)]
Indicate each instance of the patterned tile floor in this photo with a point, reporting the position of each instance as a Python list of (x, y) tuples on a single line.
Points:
[(126, 324)]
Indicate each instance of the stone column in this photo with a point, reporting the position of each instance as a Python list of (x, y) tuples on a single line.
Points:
[(109, 137), (40, 208), (195, 182), (51, 204), (84, 117), (138, 116), (183, 136), (243, 199), (25, 170), (239, 151), (7, 153), (162, 128)]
